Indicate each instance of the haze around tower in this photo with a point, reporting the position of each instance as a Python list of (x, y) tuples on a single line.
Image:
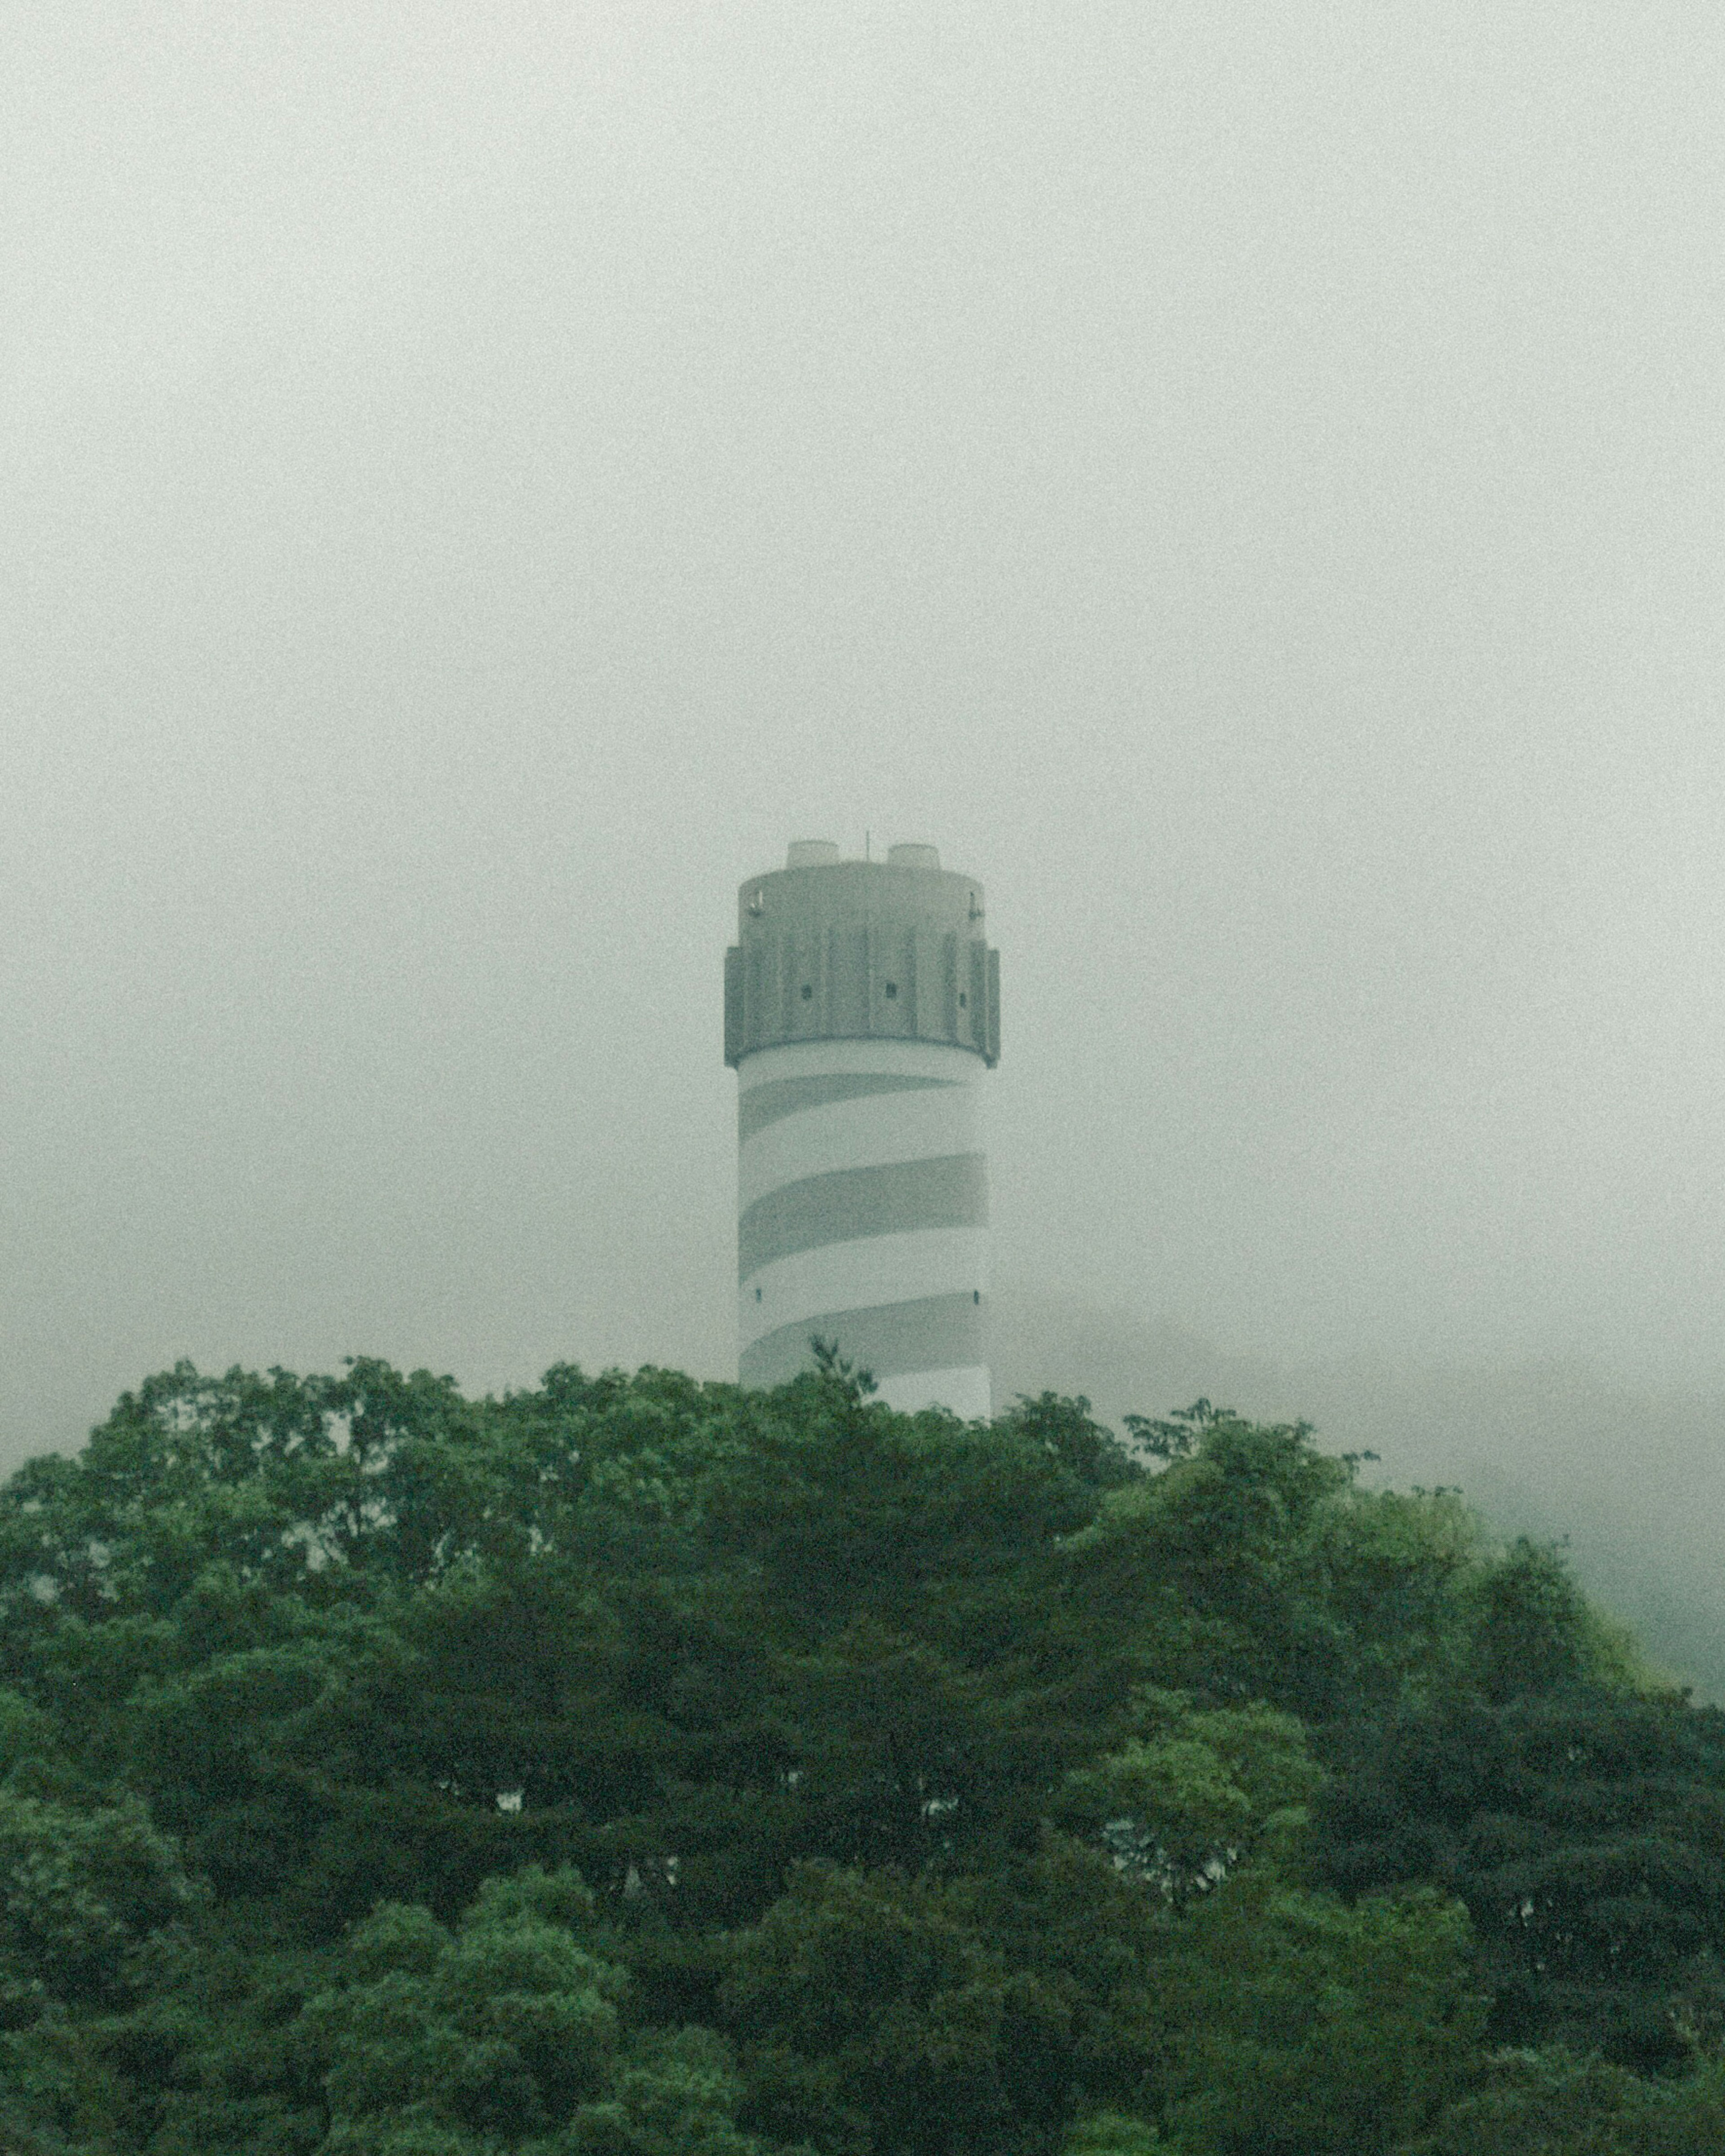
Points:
[(1244, 480)]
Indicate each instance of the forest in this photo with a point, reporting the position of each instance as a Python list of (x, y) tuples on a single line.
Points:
[(636, 1765)]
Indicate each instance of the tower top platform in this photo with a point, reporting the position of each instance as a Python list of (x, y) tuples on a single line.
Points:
[(829, 949)]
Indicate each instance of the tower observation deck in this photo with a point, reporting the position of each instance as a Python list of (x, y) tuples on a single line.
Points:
[(861, 1010)]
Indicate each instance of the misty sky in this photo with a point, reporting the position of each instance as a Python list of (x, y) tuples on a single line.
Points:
[(1244, 480)]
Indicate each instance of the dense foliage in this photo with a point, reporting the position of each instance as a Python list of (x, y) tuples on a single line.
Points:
[(636, 1766)]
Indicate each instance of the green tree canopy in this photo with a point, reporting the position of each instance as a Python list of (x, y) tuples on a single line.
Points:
[(632, 1764)]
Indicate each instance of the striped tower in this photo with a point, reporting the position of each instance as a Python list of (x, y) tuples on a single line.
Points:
[(862, 1007)]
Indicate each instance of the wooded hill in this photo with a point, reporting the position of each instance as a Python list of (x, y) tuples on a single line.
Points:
[(636, 1766), (1631, 1478)]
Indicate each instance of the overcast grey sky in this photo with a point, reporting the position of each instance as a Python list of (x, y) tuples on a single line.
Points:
[(1244, 480)]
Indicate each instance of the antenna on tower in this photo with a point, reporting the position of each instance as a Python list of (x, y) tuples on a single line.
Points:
[(868, 840)]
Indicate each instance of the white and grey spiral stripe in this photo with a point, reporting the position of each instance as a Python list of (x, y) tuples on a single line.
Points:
[(863, 1217)]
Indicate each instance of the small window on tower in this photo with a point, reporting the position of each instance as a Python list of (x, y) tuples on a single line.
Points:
[(807, 993), (892, 987), (976, 1294), (758, 1295), (963, 1000)]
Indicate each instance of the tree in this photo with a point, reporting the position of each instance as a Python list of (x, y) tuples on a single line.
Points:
[(1556, 2103), (937, 1788), (1304, 2027), (504, 2033), (872, 2014), (1111, 2134), (82, 1892), (1584, 1829), (1193, 1792)]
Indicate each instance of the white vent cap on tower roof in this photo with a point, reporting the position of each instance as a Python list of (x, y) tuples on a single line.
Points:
[(810, 853), (913, 857)]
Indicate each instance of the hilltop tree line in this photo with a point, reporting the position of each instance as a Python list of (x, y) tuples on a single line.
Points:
[(633, 1766)]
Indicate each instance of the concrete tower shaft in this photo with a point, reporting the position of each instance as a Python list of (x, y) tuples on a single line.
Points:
[(862, 1007)]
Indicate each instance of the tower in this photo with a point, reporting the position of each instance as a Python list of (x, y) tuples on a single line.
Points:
[(861, 1009)]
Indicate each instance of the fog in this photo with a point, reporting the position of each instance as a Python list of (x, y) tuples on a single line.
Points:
[(1244, 480)]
